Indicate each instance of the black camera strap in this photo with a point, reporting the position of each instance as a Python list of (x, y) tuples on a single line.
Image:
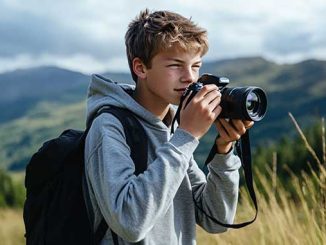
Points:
[(244, 152)]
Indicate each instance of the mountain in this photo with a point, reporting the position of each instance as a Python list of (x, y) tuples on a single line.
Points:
[(24, 89), (37, 104)]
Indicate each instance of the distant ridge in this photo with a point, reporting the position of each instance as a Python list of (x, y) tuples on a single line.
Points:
[(37, 103)]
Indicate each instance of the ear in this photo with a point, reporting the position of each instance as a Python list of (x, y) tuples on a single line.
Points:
[(139, 68)]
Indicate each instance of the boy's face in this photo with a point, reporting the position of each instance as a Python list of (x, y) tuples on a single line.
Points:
[(170, 74)]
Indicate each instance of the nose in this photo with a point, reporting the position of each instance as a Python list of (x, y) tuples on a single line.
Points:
[(188, 75)]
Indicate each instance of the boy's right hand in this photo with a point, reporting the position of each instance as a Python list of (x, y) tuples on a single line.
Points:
[(200, 113)]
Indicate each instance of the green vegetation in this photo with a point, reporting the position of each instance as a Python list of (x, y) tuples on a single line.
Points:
[(290, 212), (37, 104), (22, 137), (291, 154), (12, 192)]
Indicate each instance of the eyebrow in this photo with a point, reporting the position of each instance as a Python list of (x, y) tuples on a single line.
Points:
[(181, 61)]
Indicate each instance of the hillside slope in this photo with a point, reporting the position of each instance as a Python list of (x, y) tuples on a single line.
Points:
[(37, 104)]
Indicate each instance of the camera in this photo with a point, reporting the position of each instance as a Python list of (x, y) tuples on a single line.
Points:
[(245, 103)]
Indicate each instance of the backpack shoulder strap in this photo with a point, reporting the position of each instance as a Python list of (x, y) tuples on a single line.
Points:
[(135, 135), (137, 140)]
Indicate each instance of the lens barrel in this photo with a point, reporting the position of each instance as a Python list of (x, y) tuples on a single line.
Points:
[(246, 103)]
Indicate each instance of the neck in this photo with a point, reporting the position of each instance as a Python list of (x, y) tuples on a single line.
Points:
[(159, 110)]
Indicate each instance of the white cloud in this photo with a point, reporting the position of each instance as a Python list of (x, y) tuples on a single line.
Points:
[(80, 33), (78, 62)]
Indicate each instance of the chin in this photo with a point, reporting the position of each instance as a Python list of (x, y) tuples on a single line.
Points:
[(175, 102)]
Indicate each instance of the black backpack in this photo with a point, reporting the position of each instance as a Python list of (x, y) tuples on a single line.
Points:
[(55, 211)]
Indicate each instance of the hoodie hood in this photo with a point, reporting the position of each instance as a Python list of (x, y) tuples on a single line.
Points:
[(103, 92)]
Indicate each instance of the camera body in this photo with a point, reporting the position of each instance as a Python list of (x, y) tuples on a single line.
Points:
[(245, 103)]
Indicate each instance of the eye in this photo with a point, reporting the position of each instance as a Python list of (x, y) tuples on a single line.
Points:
[(196, 66), (174, 65)]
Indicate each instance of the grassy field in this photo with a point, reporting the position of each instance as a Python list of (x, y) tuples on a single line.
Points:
[(292, 213), (282, 219), (11, 227)]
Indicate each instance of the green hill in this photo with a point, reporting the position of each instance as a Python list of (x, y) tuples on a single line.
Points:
[(37, 104)]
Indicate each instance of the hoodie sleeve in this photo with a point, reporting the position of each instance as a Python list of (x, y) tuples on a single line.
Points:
[(131, 204), (217, 194)]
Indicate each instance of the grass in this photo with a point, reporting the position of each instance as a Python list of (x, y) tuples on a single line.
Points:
[(282, 219), (11, 227), (293, 213)]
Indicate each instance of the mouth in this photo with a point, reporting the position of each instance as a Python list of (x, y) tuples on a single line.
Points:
[(180, 89)]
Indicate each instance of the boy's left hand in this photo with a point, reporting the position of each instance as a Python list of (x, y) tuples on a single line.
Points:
[(230, 131)]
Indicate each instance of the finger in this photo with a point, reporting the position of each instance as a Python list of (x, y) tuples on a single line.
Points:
[(213, 98), (231, 130), (206, 89), (248, 124), (211, 104), (209, 101), (216, 95), (210, 87), (238, 125), (216, 111), (222, 131)]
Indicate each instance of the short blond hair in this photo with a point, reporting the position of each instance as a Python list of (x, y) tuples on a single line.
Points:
[(151, 33)]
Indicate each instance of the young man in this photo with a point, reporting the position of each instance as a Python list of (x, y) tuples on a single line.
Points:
[(158, 206)]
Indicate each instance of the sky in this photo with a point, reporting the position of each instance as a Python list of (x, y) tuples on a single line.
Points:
[(88, 35)]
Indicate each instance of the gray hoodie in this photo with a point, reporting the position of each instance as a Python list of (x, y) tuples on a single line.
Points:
[(157, 206)]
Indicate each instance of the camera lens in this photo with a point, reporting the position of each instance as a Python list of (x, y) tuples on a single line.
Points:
[(255, 103), (249, 103), (252, 104)]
